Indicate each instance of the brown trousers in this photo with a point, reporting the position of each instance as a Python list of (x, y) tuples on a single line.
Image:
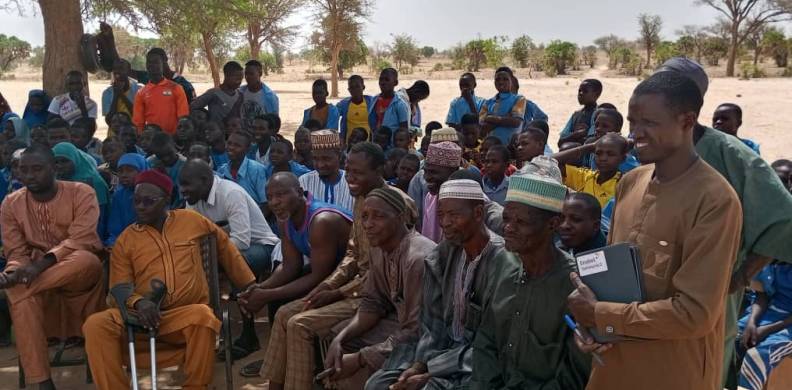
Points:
[(54, 305)]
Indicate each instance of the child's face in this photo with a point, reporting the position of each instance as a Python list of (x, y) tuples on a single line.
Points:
[(233, 79), (608, 156), (605, 124), (185, 131), (577, 225), (199, 152), (280, 154), (503, 82), (39, 135), (214, 133), (145, 140), (528, 147), (261, 130), (406, 170), (356, 88), (494, 164), (199, 116), (357, 136), (111, 153), (302, 142), (725, 119), (58, 135), (390, 168), (319, 95), (587, 94), (387, 82), (252, 74), (126, 175), (381, 139), (485, 147), (9, 132), (233, 125), (466, 86), (74, 83), (117, 121), (128, 135), (402, 140), (80, 137), (470, 133), (36, 104)]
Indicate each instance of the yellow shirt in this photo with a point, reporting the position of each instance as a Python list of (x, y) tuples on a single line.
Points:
[(585, 180), (357, 116)]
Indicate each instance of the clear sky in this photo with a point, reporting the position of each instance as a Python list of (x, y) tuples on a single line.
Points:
[(443, 23)]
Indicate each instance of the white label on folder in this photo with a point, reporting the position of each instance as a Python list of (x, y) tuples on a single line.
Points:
[(592, 263)]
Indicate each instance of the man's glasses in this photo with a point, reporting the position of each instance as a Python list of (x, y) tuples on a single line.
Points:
[(146, 201)]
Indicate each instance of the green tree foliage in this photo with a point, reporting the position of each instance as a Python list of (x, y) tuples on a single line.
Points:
[(479, 53), (267, 59), (611, 44), (650, 26), (521, 50), (12, 50), (36, 59), (775, 45), (665, 50), (715, 48), (558, 55), (428, 51), (348, 58), (404, 51)]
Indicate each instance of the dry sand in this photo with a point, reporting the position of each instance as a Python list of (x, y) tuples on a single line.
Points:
[(764, 101)]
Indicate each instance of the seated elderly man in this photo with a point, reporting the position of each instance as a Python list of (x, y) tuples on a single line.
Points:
[(390, 308), (163, 245), (228, 205), (457, 290), (53, 279)]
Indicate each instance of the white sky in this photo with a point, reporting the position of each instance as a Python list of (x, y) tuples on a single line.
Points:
[(443, 23)]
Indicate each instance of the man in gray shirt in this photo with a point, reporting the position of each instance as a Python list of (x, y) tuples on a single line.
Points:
[(226, 100)]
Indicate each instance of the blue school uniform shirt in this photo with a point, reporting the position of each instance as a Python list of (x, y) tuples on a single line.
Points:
[(343, 110), (533, 113), (122, 213), (251, 176), (567, 130), (108, 96), (627, 165), (398, 111), (459, 107), (172, 172), (269, 99), (332, 117), (751, 144), (296, 168), (506, 104), (218, 159)]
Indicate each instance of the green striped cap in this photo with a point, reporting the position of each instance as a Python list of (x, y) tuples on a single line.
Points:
[(538, 184)]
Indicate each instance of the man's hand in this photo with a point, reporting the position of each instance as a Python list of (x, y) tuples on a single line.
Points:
[(322, 298), (334, 355), (582, 302), (350, 364), (7, 280), (761, 333), (148, 313), (411, 377), (27, 273), (750, 336), (587, 344), (253, 299)]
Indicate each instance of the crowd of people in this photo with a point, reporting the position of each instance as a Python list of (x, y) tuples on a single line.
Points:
[(441, 264)]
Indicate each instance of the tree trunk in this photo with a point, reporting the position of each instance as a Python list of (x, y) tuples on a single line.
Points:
[(648, 56), (210, 57), (254, 28), (333, 74), (63, 29), (733, 47), (756, 55)]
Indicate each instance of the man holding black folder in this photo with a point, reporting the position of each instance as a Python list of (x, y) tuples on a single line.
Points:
[(685, 220)]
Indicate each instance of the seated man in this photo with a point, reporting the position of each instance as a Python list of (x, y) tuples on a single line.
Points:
[(579, 229), (523, 342), (390, 308), (50, 241), (327, 182), (335, 299), (313, 238), (456, 293), (163, 245), (228, 205)]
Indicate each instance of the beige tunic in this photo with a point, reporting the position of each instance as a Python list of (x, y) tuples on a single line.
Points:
[(687, 231)]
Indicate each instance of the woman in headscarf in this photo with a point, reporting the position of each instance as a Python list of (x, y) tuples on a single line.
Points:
[(36, 108), (16, 129), (122, 210), (71, 164), (5, 110)]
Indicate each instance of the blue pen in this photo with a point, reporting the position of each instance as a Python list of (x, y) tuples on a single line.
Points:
[(572, 325)]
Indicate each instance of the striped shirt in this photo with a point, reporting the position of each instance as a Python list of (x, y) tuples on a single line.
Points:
[(333, 193)]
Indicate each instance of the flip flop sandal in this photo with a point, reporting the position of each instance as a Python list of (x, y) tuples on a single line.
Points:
[(252, 369)]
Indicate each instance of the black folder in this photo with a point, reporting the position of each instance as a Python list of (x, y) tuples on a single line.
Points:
[(614, 274)]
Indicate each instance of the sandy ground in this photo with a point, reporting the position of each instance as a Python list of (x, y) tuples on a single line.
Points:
[(764, 101)]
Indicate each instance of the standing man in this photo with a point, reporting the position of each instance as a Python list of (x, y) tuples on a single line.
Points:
[(523, 342), (258, 93), (766, 230), (162, 101), (335, 299), (50, 241), (354, 109), (466, 103), (457, 291), (163, 245), (225, 101), (327, 182), (669, 210), (74, 104), (120, 95), (389, 313)]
